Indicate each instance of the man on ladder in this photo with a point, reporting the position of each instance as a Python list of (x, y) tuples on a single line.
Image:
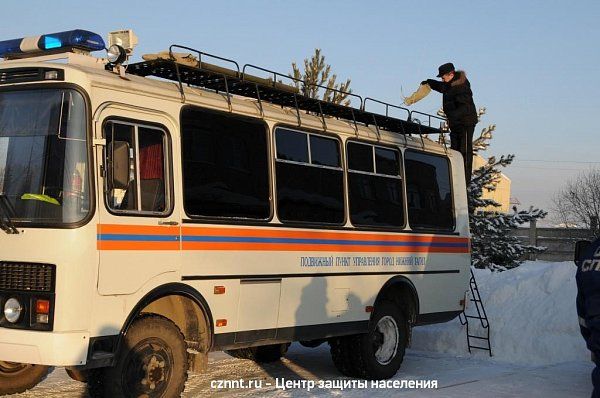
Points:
[(587, 260)]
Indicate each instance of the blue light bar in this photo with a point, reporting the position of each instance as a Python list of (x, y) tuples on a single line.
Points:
[(80, 39)]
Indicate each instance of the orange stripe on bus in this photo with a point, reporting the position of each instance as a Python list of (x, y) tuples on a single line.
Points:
[(260, 233), (137, 229)]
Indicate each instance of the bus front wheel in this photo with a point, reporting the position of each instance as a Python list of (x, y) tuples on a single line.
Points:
[(152, 362), (377, 354), (19, 377)]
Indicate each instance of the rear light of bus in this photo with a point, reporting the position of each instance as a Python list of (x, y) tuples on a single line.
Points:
[(221, 322)]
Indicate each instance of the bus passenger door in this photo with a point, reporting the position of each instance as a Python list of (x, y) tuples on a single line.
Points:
[(139, 228)]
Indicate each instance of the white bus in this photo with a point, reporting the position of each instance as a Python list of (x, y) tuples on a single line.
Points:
[(148, 221)]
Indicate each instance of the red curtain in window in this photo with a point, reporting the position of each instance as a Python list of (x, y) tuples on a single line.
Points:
[(151, 162)]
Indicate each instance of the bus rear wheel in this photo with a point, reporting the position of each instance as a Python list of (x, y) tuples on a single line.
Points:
[(20, 377), (377, 354), (261, 354), (152, 362)]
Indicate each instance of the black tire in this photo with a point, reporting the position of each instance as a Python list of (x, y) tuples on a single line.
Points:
[(20, 377), (377, 354), (341, 354), (242, 353), (261, 354), (78, 375), (151, 362), (312, 343), (95, 383)]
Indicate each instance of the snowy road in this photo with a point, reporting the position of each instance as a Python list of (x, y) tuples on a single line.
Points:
[(456, 376), (534, 330)]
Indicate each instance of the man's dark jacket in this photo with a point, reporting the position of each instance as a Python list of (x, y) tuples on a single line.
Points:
[(588, 305), (457, 99)]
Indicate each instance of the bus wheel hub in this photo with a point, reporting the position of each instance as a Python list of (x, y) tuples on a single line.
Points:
[(386, 339), (154, 372)]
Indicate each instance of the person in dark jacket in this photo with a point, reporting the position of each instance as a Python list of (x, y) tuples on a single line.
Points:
[(588, 305), (459, 109)]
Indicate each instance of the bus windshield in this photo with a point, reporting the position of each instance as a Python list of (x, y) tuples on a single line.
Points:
[(43, 156)]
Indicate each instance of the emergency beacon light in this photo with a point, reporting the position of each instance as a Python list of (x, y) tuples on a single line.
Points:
[(78, 39)]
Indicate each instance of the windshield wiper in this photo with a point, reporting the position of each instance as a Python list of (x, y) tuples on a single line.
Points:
[(6, 223)]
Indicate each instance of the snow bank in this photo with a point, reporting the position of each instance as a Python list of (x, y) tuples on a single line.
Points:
[(532, 317)]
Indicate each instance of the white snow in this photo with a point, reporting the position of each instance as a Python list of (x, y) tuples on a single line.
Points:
[(538, 351), (532, 315), (456, 376)]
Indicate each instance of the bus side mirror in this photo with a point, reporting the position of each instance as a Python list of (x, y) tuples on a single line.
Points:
[(580, 248), (119, 164)]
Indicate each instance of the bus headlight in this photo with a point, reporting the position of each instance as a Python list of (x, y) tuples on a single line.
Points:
[(13, 310)]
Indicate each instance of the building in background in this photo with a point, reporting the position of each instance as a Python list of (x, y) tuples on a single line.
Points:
[(502, 193)]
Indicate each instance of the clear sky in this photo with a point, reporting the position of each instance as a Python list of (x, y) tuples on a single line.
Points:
[(535, 65)]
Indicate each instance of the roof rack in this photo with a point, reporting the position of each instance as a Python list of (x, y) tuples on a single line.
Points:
[(235, 81)]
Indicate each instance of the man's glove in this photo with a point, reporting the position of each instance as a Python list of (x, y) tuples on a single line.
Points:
[(424, 82), (418, 95)]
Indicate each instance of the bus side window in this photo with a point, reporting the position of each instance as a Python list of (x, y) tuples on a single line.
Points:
[(225, 162), (310, 179), (375, 186), (429, 191), (147, 190)]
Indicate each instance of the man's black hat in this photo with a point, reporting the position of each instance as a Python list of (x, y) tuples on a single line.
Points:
[(446, 68)]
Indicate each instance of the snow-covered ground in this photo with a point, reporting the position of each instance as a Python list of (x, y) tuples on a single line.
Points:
[(532, 315), (456, 376), (538, 351)]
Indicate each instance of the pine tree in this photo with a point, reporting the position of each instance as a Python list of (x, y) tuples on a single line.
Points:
[(317, 72), (492, 245)]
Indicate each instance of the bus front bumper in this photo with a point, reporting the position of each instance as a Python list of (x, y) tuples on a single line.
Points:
[(44, 348)]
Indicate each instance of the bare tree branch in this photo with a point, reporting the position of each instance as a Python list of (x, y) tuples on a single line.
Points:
[(578, 202)]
